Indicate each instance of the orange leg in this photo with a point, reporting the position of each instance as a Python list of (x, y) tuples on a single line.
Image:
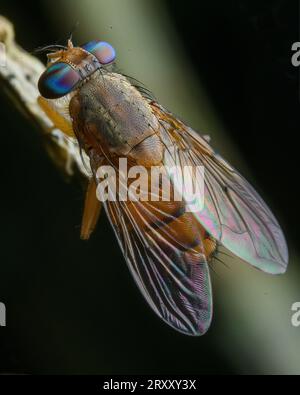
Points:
[(92, 209), (59, 121)]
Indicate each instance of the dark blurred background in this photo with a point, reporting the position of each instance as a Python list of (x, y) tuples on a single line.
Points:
[(71, 305)]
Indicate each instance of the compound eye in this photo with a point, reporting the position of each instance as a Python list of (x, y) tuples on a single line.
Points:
[(57, 81), (103, 51)]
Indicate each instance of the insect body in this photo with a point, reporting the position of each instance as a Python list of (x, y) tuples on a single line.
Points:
[(166, 246)]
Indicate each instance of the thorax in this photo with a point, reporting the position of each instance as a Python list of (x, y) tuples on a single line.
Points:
[(110, 111)]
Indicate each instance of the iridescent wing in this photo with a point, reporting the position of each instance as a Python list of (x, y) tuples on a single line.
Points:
[(234, 214), (173, 279)]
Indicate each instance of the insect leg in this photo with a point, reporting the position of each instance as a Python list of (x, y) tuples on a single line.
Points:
[(91, 212), (58, 120)]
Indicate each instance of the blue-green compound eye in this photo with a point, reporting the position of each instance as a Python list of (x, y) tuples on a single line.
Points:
[(57, 81), (103, 51)]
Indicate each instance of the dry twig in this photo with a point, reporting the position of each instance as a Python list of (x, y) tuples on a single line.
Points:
[(19, 74)]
